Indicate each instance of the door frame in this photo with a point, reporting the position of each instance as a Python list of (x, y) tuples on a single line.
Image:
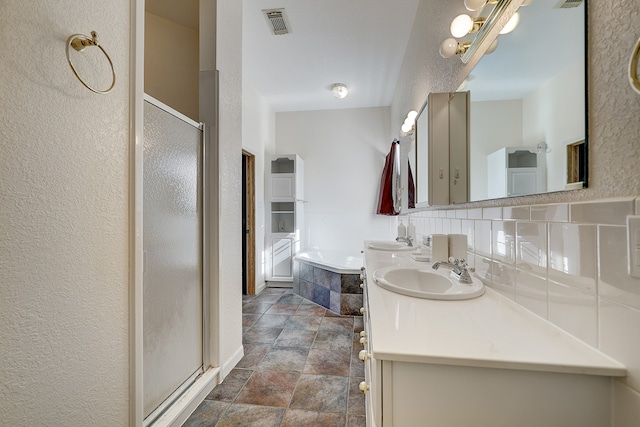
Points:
[(250, 211)]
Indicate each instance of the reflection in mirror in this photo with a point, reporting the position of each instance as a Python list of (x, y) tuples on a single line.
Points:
[(528, 113)]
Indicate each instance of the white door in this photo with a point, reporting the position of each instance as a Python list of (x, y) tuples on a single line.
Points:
[(172, 215)]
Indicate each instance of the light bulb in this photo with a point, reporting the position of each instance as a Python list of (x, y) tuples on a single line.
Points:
[(448, 48), (405, 128), (412, 115), (339, 90), (461, 25), (474, 4), (492, 47), (511, 24)]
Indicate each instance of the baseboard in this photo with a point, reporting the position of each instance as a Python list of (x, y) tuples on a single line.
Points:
[(261, 287), (231, 363)]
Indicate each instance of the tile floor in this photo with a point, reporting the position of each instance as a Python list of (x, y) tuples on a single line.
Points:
[(300, 368)]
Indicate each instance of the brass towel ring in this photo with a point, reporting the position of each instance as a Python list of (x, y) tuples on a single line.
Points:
[(79, 42), (633, 68)]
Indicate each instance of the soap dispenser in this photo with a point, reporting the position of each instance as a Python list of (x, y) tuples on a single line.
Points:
[(411, 231), (402, 230)]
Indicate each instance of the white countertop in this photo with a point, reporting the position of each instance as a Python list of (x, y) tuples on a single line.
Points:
[(489, 331)]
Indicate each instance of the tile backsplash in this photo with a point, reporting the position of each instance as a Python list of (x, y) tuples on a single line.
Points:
[(565, 262)]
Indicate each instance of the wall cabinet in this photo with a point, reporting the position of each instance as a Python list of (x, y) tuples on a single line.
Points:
[(515, 171), (285, 214)]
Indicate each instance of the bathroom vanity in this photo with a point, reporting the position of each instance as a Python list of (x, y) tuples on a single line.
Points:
[(484, 361)]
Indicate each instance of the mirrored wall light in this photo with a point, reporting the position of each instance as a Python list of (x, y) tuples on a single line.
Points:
[(339, 90), (451, 47), (474, 5)]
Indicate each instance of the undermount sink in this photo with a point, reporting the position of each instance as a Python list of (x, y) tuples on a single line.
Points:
[(390, 246), (426, 283)]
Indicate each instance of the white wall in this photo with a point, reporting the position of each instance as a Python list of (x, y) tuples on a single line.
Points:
[(258, 137), (229, 64), (343, 153), (171, 64), (550, 116), (486, 138), (64, 260)]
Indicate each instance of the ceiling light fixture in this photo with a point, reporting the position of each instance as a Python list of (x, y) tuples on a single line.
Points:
[(339, 90)]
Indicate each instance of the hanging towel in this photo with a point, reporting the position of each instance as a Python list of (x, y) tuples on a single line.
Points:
[(388, 198)]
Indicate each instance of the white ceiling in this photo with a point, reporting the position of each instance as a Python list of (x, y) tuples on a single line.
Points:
[(360, 43)]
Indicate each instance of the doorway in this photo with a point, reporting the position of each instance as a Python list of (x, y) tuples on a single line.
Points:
[(248, 224)]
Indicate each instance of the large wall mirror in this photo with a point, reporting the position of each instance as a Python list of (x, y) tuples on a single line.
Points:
[(528, 108)]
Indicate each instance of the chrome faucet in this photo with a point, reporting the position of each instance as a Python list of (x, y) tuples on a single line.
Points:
[(408, 240), (459, 269)]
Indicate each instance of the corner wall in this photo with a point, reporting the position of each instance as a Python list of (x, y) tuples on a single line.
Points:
[(64, 217), (343, 153)]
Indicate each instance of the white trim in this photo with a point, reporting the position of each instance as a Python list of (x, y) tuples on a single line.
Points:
[(161, 105), (261, 287), (136, 146), (228, 365), (186, 404)]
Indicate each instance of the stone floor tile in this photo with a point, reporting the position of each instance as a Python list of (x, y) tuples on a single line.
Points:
[(356, 397), (290, 299), (295, 338), (321, 393), (256, 307), (337, 324), (276, 321), (311, 310), (333, 339), (300, 418), (356, 421), (284, 359), (248, 319), (269, 388), (207, 414), (253, 355), (241, 415), (257, 335), (228, 389), (310, 323), (283, 309), (328, 362)]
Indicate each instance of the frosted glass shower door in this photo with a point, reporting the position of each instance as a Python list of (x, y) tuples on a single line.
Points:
[(172, 214)]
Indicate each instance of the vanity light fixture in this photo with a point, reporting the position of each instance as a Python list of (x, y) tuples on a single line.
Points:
[(339, 90), (464, 24), (408, 126)]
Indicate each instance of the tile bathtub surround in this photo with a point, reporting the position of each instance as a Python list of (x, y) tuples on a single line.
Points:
[(299, 369), (340, 293), (570, 268)]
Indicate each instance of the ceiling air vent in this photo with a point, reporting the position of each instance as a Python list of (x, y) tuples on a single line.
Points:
[(277, 20), (566, 4)]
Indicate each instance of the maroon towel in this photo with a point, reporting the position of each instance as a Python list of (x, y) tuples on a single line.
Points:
[(388, 184)]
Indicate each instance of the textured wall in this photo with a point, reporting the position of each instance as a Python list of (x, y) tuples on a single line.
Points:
[(229, 63), (63, 217), (614, 109)]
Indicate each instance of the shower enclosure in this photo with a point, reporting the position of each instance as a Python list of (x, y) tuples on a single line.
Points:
[(173, 270)]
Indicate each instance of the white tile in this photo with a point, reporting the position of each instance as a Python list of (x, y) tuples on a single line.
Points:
[(614, 281), (626, 405), (532, 292), (503, 241), (612, 211), (455, 226), (461, 213), (503, 279), (483, 269), (438, 226), (572, 255), (574, 311), (619, 326), (492, 213), (446, 226), (531, 247), (556, 212), (475, 213), (451, 213), (482, 238), (468, 229), (442, 213), (516, 212)]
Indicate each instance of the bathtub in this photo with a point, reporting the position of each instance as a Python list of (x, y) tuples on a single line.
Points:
[(330, 279)]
